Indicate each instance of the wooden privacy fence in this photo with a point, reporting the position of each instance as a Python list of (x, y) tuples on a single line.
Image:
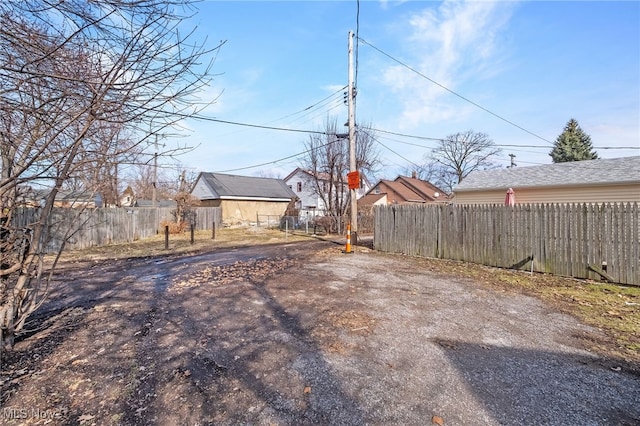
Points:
[(98, 227), (565, 239)]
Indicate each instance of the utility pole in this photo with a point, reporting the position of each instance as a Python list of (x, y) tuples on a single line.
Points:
[(513, 163), (352, 143)]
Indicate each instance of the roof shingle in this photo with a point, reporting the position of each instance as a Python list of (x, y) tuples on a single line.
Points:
[(588, 172), (246, 186)]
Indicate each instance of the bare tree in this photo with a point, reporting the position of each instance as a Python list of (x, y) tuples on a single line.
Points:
[(75, 77), (327, 162), (185, 202), (97, 170), (142, 179), (458, 155)]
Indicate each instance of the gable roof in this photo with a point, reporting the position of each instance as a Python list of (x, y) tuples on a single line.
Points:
[(409, 190), (398, 193), (425, 188), (224, 186), (370, 199), (624, 170), (322, 176)]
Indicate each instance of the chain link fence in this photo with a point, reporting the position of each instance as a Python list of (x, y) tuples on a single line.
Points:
[(323, 225)]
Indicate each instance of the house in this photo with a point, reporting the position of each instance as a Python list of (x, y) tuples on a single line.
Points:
[(310, 203), (242, 198), (402, 190), (589, 181), (127, 199), (369, 201), (64, 199)]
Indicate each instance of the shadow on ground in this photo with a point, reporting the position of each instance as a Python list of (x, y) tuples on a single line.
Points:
[(518, 386)]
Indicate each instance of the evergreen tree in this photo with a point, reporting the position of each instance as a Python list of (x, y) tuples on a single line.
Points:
[(573, 145)]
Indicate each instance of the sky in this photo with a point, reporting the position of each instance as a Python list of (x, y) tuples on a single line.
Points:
[(516, 71)]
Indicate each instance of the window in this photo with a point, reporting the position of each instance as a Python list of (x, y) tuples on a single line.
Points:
[(299, 187)]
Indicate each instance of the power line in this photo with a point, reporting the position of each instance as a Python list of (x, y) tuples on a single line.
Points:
[(404, 158), (357, 41), (408, 136), (308, 109), (236, 123), (317, 132), (285, 158), (498, 145), (455, 93)]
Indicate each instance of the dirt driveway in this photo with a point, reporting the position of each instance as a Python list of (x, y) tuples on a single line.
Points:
[(303, 334)]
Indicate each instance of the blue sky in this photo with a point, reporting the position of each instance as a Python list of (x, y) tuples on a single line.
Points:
[(535, 64)]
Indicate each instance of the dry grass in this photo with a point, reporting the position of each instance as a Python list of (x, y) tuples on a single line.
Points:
[(181, 244)]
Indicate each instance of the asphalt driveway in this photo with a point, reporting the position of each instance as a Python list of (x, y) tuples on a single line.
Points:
[(303, 334)]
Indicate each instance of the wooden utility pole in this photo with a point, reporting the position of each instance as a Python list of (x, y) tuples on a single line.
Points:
[(352, 143)]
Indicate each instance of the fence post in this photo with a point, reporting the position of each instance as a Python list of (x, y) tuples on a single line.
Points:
[(191, 225), (213, 230), (166, 237)]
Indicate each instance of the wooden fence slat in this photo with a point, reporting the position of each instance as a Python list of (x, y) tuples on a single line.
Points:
[(563, 239), (97, 227)]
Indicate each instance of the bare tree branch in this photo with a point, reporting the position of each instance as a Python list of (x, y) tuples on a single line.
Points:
[(458, 155), (84, 87)]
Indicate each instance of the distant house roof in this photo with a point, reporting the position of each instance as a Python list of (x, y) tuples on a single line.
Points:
[(624, 170), (370, 199), (159, 203), (212, 186), (408, 190), (422, 187), (322, 176)]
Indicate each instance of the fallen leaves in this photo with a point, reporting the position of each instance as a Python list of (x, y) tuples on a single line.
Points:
[(252, 270), (354, 321)]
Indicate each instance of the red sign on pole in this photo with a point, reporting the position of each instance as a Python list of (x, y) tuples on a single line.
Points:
[(353, 178)]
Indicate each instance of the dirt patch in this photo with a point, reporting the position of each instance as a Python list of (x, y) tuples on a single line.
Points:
[(300, 333)]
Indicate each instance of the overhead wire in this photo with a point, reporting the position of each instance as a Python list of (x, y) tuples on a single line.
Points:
[(399, 155), (455, 93), (336, 140), (357, 44), (321, 103), (317, 132), (337, 103)]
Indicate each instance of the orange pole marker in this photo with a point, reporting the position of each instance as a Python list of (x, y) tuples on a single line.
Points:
[(347, 248)]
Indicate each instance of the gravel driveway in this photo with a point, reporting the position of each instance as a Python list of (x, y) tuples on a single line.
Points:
[(303, 334)]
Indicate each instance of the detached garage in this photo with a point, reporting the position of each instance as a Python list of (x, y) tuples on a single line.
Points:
[(242, 198)]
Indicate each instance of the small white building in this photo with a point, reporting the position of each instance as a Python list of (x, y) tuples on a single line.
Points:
[(304, 186)]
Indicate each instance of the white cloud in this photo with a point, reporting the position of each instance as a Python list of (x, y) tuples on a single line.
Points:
[(452, 44)]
